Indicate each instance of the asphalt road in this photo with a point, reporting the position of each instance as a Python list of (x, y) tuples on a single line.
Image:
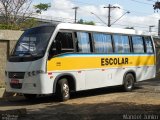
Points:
[(107, 104)]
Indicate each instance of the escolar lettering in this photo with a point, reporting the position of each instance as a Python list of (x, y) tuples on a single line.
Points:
[(113, 61)]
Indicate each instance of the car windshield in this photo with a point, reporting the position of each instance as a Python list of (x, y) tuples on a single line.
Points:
[(33, 42)]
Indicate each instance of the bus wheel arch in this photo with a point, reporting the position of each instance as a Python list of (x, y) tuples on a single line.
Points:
[(62, 79), (128, 81)]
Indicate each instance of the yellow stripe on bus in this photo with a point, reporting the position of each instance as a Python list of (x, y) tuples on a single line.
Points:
[(77, 63)]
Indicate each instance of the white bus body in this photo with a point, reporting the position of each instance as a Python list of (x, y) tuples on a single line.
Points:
[(87, 57)]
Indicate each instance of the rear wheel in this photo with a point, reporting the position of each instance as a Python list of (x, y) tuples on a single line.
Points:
[(128, 83), (30, 96), (62, 90)]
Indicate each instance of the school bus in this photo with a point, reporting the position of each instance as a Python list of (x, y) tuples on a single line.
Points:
[(61, 58)]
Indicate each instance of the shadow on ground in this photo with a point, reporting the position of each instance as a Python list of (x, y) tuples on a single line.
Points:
[(21, 101), (100, 111), (151, 82)]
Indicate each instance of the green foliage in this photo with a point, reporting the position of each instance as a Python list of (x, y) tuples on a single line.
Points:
[(28, 23), (86, 23), (90, 23), (4, 26), (41, 7)]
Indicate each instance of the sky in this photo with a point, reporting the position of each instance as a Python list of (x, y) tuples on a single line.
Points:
[(141, 16)]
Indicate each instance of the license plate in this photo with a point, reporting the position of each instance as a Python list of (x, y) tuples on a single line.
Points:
[(14, 81)]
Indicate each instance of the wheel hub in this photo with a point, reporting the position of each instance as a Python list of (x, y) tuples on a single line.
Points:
[(66, 90), (129, 83)]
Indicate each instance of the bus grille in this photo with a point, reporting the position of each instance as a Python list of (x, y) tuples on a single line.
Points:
[(18, 75)]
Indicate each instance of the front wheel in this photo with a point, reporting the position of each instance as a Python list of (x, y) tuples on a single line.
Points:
[(63, 91), (128, 83)]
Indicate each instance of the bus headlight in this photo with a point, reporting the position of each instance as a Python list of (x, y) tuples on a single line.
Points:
[(33, 73)]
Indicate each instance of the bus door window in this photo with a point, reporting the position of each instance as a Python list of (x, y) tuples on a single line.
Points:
[(63, 43), (83, 40)]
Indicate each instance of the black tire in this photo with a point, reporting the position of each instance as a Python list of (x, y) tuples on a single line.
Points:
[(128, 82), (30, 96), (62, 90)]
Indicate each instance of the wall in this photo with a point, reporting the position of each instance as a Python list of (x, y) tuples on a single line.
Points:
[(8, 39)]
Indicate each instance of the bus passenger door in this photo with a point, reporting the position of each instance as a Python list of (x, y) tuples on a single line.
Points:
[(93, 77)]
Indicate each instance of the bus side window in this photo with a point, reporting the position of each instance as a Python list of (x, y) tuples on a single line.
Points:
[(148, 44), (121, 43), (83, 40), (138, 44), (102, 43)]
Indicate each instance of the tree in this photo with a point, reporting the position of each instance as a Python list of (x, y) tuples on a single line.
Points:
[(15, 11), (16, 14), (86, 23), (41, 7), (156, 6), (80, 21)]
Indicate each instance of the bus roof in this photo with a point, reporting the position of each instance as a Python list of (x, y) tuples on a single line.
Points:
[(94, 28)]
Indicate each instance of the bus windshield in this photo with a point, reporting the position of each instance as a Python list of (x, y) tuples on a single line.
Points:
[(33, 42)]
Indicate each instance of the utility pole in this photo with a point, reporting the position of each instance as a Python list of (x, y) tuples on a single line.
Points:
[(109, 13), (75, 15)]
